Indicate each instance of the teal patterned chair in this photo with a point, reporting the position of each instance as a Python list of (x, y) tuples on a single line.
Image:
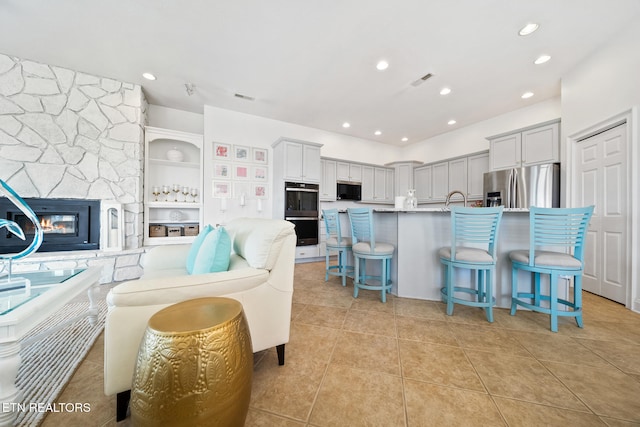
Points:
[(474, 235), (365, 247), (556, 248), (335, 242)]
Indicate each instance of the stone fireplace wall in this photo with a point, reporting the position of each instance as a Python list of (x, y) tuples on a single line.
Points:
[(67, 134)]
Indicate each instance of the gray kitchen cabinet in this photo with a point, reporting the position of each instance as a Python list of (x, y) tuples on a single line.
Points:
[(440, 182), (404, 178), (377, 184), (301, 160), (328, 191), (348, 172), (525, 147), (477, 166), (367, 184), (422, 178), (457, 174)]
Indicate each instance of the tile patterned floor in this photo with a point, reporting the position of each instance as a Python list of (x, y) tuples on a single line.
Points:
[(358, 362)]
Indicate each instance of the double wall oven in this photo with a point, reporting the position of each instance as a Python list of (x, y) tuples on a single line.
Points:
[(301, 205)]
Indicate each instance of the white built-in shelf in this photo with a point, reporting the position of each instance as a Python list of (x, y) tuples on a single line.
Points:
[(174, 205), (159, 172), (163, 162)]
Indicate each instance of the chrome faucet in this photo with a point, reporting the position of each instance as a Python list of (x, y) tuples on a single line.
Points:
[(464, 197)]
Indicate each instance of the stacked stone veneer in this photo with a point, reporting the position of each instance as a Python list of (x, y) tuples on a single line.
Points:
[(66, 134)]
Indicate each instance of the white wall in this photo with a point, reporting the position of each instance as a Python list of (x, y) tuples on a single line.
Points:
[(170, 118), (230, 127), (472, 138), (605, 85)]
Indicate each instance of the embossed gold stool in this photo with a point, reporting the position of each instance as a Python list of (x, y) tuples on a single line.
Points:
[(194, 367)]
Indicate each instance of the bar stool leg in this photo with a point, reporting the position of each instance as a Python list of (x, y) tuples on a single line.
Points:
[(488, 297), (383, 280), (577, 298), (450, 280), (326, 269), (553, 301), (514, 291)]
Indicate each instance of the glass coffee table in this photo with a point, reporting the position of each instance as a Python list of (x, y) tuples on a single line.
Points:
[(24, 307)]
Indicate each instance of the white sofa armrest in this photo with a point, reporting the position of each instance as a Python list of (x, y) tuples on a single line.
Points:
[(169, 290)]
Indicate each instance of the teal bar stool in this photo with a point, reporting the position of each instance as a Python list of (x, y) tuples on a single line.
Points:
[(556, 248), (474, 234), (365, 247), (335, 242)]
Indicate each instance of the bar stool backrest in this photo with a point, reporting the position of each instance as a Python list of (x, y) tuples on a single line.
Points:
[(362, 226), (475, 226), (558, 228), (332, 224)]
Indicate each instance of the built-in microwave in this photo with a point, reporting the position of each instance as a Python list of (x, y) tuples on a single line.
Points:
[(349, 190)]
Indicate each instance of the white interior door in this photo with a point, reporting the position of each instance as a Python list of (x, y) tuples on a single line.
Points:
[(601, 175)]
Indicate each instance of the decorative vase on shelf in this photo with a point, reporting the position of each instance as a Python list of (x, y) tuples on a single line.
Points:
[(411, 201), (175, 155)]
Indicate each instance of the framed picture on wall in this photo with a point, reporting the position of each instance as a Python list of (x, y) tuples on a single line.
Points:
[(221, 151), (241, 172), (221, 171), (241, 188), (259, 155), (241, 153), (260, 191), (221, 189), (259, 173)]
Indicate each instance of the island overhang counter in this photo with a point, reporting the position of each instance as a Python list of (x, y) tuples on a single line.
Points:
[(418, 234)]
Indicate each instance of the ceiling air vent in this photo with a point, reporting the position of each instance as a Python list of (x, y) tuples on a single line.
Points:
[(422, 79), (245, 97)]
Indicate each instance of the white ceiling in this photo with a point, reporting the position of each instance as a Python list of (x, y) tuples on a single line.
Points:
[(312, 62)]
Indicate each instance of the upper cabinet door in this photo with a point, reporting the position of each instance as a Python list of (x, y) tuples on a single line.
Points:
[(293, 161), (505, 152), (379, 184), (328, 190), (342, 171), (367, 184), (311, 170), (349, 172), (477, 166), (541, 145), (458, 175), (422, 178), (440, 181), (355, 173)]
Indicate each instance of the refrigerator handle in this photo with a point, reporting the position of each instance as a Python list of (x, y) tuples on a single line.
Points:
[(512, 192)]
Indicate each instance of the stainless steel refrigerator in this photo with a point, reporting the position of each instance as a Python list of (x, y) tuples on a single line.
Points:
[(537, 185)]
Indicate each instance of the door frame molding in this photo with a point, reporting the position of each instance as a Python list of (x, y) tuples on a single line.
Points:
[(632, 118)]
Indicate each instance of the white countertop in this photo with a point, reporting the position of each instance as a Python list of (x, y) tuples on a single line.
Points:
[(416, 210), (436, 210)]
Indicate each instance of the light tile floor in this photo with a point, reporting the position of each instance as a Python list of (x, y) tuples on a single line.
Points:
[(358, 362)]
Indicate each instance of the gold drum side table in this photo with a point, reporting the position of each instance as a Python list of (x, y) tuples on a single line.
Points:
[(194, 366)]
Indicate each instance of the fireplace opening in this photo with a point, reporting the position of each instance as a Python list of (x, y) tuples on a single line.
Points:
[(68, 225)]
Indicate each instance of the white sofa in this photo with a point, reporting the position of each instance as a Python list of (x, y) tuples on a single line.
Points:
[(260, 276)]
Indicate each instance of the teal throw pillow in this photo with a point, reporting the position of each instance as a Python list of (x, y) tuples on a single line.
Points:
[(195, 247), (214, 253)]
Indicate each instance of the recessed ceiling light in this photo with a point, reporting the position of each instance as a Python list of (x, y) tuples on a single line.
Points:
[(527, 95), (445, 91), (451, 122), (148, 76), (346, 125), (382, 65), (378, 133), (528, 29), (541, 59), (405, 139)]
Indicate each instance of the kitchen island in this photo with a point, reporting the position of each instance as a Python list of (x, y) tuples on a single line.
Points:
[(418, 234)]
